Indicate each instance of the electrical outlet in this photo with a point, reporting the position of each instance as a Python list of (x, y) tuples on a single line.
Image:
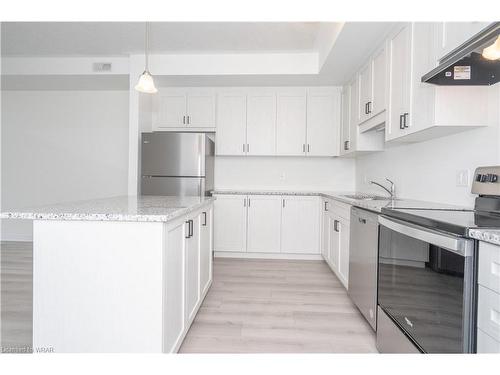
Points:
[(462, 178)]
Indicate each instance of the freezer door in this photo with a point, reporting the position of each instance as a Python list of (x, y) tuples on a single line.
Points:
[(179, 186), (173, 154)]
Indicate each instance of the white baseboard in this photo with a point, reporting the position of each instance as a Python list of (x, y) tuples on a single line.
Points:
[(229, 254)]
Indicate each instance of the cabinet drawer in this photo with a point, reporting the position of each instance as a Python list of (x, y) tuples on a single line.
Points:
[(488, 318), (341, 209), (489, 266), (486, 343)]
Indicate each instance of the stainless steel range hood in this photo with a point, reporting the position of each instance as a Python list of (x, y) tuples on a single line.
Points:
[(465, 65)]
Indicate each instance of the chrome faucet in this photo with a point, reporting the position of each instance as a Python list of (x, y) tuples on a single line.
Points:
[(391, 191)]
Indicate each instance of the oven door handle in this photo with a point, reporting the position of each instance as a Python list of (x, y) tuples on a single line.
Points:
[(455, 244)]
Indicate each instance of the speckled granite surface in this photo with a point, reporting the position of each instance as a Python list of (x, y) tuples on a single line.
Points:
[(123, 208), (372, 205), (486, 235)]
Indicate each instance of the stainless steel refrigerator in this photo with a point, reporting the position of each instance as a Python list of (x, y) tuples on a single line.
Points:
[(177, 164)]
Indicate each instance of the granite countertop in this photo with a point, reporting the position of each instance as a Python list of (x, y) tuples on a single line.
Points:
[(372, 205), (486, 235), (123, 208)]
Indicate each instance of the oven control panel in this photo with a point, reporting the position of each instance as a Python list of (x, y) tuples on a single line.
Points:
[(486, 181)]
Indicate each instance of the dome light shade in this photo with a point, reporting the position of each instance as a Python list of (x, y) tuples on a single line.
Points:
[(146, 84), (492, 52)]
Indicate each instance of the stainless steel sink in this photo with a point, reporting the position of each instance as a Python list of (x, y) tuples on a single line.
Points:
[(368, 197)]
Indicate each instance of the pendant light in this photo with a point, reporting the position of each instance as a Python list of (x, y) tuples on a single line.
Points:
[(492, 52), (146, 83)]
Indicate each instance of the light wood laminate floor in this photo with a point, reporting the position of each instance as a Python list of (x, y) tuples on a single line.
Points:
[(277, 306), (253, 306)]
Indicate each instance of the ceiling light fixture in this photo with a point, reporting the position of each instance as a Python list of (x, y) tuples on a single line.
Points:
[(492, 52), (146, 83)]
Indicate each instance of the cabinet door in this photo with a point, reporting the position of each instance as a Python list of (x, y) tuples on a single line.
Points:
[(365, 91), (334, 243), (354, 114), (300, 225), (231, 124), (230, 223), (192, 267), (206, 249), (400, 85), (174, 287), (345, 132), (291, 123), (264, 222), (325, 233), (172, 110), (323, 123), (379, 68), (261, 124), (200, 110), (453, 34), (343, 264)]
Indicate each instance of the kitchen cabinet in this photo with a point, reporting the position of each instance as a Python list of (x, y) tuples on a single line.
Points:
[(323, 122), (419, 111), (300, 225), (264, 221), (206, 249), (270, 224), (231, 124), (450, 35), (174, 287), (261, 123), (335, 238), (345, 129), (185, 109), (192, 266), (230, 223), (291, 123), (365, 92)]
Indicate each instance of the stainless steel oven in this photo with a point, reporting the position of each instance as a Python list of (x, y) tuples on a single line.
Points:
[(426, 288)]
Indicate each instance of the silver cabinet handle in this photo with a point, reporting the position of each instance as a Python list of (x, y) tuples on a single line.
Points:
[(188, 120), (336, 225), (184, 120), (346, 145), (283, 202), (404, 119), (204, 219), (248, 147), (244, 202), (326, 205), (308, 147), (248, 202), (304, 148), (188, 229), (243, 148), (401, 126)]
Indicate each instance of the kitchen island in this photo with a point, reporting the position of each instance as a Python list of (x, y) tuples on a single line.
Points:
[(124, 274)]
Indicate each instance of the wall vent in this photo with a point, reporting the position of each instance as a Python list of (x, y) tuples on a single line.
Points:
[(102, 67)]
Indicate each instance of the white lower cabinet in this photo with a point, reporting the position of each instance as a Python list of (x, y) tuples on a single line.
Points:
[(230, 223), (270, 224), (188, 274), (335, 238), (300, 225), (264, 218)]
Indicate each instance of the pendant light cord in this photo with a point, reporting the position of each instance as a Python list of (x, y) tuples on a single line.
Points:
[(147, 46)]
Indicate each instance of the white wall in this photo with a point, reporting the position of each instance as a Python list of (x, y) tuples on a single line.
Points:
[(428, 170), (61, 146), (286, 173)]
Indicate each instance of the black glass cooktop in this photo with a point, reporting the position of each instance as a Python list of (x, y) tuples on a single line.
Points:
[(451, 221)]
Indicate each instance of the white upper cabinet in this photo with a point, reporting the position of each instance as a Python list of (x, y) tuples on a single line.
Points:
[(345, 128), (188, 108), (420, 111), (379, 74), (291, 122), (264, 220), (261, 123), (365, 92), (200, 110), (323, 122), (171, 110), (399, 82), (300, 231), (231, 124), (452, 34)]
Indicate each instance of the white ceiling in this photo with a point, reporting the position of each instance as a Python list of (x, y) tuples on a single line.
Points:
[(124, 38)]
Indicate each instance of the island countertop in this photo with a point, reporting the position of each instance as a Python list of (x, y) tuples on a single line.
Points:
[(142, 208)]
